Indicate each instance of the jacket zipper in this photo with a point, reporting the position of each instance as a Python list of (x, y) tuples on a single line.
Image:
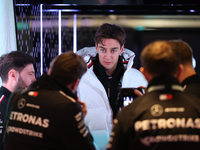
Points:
[(109, 78), (108, 89)]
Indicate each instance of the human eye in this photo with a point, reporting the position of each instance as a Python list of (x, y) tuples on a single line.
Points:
[(113, 51), (102, 50), (31, 74)]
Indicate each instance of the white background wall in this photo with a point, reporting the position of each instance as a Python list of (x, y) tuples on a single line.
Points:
[(7, 28)]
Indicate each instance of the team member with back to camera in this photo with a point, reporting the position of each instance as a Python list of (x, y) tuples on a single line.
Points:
[(109, 69), (48, 115), (16, 71), (188, 78), (165, 117)]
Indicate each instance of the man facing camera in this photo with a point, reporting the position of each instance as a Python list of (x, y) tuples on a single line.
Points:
[(109, 69), (165, 117), (48, 115)]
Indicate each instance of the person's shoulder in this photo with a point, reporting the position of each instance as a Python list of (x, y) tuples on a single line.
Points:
[(59, 101), (133, 72), (68, 106), (68, 102), (192, 98), (87, 53), (17, 93), (4, 91), (133, 78), (2, 94), (49, 98), (127, 53), (57, 97), (65, 96)]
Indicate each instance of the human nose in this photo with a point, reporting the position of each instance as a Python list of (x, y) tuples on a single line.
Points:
[(34, 79), (107, 55)]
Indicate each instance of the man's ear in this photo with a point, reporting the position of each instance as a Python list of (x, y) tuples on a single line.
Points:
[(179, 71), (74, 85), (96, 46), (13, 74), (122, 49), (146, 74), (48, 72)]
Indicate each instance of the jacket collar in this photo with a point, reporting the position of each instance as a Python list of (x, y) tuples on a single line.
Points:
[(5, 91), (90, 52), (100, 70), (49, 83), (164, 83)]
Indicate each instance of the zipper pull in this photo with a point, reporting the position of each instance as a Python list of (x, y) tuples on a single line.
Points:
[(109, 92)]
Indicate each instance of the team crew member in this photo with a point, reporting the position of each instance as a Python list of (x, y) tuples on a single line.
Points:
[(165, 117), (109, 69), (16, 72), (48, 115), (189, 79)]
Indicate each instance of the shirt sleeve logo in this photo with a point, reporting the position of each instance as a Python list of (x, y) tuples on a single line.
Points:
[(2, 97)]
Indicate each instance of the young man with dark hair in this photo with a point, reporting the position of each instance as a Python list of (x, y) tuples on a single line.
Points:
[(48, 114), (165, 117), (109, 69), (188, 78), (16, 71)]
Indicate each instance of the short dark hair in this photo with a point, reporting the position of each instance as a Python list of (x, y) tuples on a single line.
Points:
[(14, 60), (185, 51), (110, 31), (67, 68), (160, 58)]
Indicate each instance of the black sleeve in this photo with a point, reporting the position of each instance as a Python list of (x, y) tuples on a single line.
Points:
[(119, 139), (13, 97), (77, 133), (11, 101)]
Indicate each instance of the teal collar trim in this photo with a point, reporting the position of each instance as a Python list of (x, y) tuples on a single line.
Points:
[(162, 87)]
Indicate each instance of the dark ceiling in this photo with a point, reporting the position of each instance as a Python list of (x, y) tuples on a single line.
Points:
[(138, 7), (113, 2)]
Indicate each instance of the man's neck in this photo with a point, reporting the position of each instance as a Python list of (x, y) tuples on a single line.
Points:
[(110, 72), (187, 73), (8, 87)]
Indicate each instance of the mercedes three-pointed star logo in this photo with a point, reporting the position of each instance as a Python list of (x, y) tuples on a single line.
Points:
[(21, 103), (156, 110)]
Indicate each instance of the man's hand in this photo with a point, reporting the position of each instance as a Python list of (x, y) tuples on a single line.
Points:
[(138, 92)]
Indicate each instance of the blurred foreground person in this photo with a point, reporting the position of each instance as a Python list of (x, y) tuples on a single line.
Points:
[(189, 79), (17, 72), (165, 117), (48, 115)]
